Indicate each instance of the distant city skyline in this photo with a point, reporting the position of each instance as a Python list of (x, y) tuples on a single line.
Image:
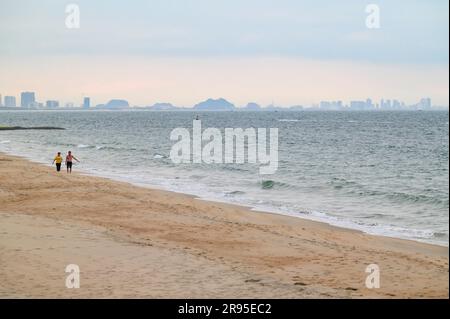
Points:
[(28, 100), (290, 52)]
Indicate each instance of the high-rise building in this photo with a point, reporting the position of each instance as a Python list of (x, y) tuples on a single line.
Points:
[(86, 103), (358, 105), (27, 99), (1, 100), (10, 101), (385, 105), (331, 105), (325, 105), (396, 105), (425, 103), (51, 104)]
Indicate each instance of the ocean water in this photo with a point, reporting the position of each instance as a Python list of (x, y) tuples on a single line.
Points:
[(384, 173)]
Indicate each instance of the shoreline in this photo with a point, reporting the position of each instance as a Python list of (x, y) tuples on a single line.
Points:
[(281, 256), (267, 210)]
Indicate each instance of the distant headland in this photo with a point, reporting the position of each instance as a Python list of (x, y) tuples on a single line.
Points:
[(18, 128)]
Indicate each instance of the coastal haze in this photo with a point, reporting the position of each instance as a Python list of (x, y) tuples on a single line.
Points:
[(287, 54), (357, 94)]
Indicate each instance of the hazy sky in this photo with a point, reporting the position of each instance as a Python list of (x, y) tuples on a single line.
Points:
[(287, 51)]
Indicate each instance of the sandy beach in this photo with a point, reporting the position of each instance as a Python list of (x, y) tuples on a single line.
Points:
[(136, 242)]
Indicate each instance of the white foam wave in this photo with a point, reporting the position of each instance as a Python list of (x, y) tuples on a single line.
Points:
[(288, 120), (84, 146)]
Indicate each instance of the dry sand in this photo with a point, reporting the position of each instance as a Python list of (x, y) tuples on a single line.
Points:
[(136, 242)]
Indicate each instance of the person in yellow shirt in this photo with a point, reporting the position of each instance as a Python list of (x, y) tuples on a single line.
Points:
[(58, 160)]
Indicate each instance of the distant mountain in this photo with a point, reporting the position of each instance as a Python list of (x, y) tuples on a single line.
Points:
[(114, 104), (214, 105), (252, 107), (162, 107), (220, 104), (117, 104)]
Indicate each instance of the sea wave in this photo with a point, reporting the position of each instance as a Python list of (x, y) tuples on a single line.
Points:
[(360, 190), (417, 198), (234, 193), (85, 146), (402, 197), (288, 120), (270, 184)]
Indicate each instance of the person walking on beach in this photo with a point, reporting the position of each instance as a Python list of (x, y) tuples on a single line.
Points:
[(69, 160), (58, 160)]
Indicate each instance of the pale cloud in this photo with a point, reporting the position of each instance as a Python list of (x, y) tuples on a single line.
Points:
[(289, 51)]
